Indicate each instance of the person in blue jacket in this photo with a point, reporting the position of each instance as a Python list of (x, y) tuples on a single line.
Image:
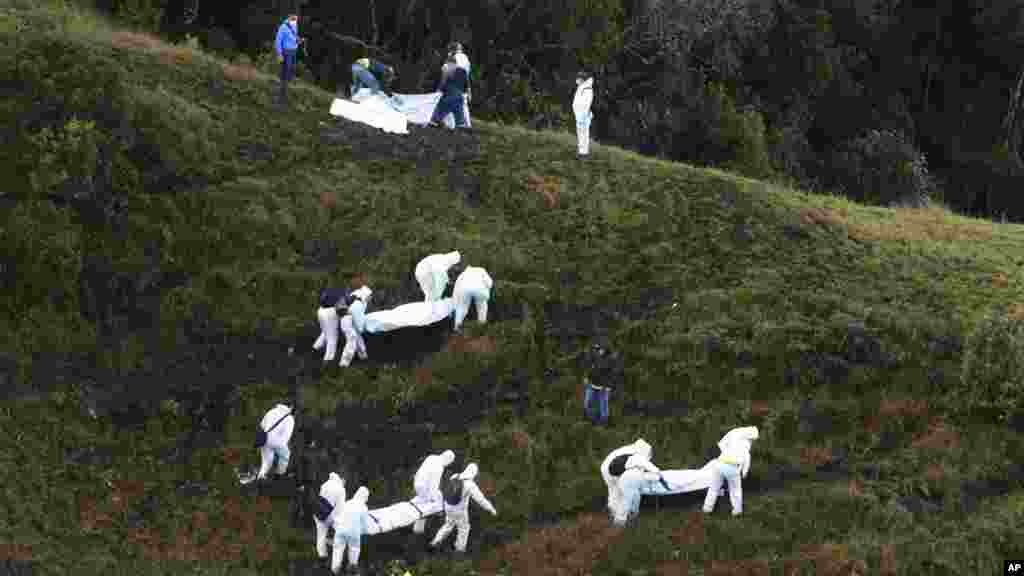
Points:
[(286, 44), (371, 74), (453, 96)]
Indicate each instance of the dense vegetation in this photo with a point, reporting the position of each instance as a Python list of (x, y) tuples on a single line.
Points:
[(168, 233), (886, 102)]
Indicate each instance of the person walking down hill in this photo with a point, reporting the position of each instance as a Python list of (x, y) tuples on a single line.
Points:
[(453, 91), (370, 74), (581, 104), (460, 489), (286, 44)]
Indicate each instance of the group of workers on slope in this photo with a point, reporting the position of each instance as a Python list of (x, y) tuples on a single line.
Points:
[(350, 519), (626, 470), (472, 288), (454, 85)]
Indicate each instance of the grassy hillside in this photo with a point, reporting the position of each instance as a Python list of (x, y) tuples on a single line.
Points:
[(877, 349)]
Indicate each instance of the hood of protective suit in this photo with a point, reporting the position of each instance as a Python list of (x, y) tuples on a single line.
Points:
[(585, 82), (447, 457), (453, 258), (744, 435), (469, 473), (361, 495), (363, 293), (334, 476), (643, 448)]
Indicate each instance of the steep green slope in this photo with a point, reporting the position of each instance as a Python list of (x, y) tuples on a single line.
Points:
[(733, 301)]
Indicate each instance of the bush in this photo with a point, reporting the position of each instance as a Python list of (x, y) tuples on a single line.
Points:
[(883, 167), (992, 378)]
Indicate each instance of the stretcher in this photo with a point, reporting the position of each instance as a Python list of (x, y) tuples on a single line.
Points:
[(416, 314), (678, 481), (402, 514)]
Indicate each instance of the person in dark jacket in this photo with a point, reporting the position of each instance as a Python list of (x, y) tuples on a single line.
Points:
[(286, 44), (599, 383), (371, 74), (453, 90)]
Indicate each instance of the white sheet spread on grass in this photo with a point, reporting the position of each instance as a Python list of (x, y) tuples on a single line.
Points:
[(389, 114), (408, 315), (680, 481), (402, 514)]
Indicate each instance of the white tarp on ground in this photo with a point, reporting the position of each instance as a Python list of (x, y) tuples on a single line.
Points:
[(408, 315), (402, 514), (679, 481), (389, 114)]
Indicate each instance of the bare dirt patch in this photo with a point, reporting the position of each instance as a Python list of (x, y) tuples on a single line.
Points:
[(738, 568), (939, 436), (566, 548)]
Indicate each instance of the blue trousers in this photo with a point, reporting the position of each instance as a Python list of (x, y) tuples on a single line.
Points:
[(599, 396), (287, 73), (452, 103), (363, 78)]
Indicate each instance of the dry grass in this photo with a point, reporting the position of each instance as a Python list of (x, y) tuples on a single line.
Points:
[(824, 217), (1016, 311), (566, 549), (887, 564), (241, 72), (328, 199), (462, 344), (166, 53), (930, 224), (240, 530), (550, 187), (895, 408), (938, 436), (832, 560), (935, 473), (737, 568), (815, 455), (760, 408), (692, 532), (678, 568), (855, 488), (15, 551), (234, 455), (423, 376)]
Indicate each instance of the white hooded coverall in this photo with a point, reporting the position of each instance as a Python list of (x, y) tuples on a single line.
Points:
[(427, 481), (333, 490), (457, 516), (473, 286), (352, 325), (639, 471), (432, 274), (581, 109), (349, 527), (277, 440), (730, 467), (327, 316), (612, 482)]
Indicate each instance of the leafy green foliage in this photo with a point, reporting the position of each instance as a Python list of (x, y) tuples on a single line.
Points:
[(883, 167)]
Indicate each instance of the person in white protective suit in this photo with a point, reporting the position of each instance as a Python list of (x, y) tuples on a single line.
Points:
[(730, 467), (581, 103), (473, 286), (639, 471), (353, 325), (610, 472), (349, 527), (427, 482), (432, 274), (327, 315), (456, 514), (278, 424), (329, 505)]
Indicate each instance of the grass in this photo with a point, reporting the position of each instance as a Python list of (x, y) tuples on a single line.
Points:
[(773, 296)]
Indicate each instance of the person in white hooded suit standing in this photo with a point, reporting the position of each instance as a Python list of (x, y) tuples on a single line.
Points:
[(473, 286), (351, 524), (432, 274), (613, 467), (278, 424), (581, 104), (353, 324), (730, 467)]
